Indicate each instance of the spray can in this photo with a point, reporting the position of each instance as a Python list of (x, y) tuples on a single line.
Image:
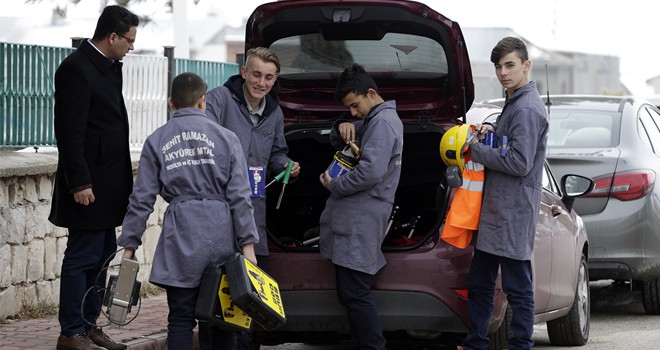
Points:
[(344, 161), (490, 139)]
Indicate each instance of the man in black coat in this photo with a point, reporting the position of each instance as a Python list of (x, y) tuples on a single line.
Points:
[(94, 173)]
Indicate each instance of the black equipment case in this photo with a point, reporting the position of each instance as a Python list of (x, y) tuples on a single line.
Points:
[(214, 302)]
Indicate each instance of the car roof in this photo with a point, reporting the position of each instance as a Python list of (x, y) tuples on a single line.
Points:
[(654, 99), (483, 112), (597, 102), (442, 94)]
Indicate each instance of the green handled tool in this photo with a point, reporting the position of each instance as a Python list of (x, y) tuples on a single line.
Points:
[(277, 178), (285, 181)]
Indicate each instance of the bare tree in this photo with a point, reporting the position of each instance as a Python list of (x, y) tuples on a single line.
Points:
[(60, 7)]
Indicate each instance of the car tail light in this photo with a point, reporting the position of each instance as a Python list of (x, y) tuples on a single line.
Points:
[(625, 186), (462, 292)]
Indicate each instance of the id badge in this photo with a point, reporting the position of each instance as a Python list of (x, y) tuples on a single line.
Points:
[(257, 181)]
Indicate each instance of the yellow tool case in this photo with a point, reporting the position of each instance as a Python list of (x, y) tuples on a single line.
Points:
[(214, 302), (255, 292)]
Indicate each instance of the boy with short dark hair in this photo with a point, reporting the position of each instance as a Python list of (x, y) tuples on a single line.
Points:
[(198, 167), (353, 224)]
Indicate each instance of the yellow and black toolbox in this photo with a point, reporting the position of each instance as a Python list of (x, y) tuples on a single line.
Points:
[(214, 302), (255, 291)]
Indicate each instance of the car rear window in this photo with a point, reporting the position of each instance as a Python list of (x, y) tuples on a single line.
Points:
[(582, 129), (394, 52)]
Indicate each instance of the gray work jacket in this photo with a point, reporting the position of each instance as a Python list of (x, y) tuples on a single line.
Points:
[(354, 222), (263, 144), (513, 181), (198, 168)]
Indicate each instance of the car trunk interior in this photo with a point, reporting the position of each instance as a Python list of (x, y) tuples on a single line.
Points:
[(421, 195)]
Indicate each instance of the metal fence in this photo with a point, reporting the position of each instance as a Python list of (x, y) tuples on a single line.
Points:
[(145, 94), (27, 91), (214, 73)]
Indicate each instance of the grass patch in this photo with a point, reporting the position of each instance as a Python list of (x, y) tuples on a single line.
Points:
[(38, 310), (148, 290)]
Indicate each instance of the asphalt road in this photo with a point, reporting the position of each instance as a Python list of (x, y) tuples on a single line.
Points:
[(618, 321)]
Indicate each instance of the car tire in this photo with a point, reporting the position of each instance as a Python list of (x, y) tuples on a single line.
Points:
[(572, 329), (497, 340), (651, 297)]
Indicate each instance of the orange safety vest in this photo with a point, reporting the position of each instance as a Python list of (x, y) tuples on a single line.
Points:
[(463, 217)]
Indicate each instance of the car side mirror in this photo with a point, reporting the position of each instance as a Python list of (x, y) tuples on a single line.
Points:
[(574, 186)]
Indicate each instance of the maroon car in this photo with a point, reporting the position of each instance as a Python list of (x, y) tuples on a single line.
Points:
[(419, 58)]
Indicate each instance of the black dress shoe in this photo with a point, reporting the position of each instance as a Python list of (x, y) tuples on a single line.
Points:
[(74, 342), (98, 336)]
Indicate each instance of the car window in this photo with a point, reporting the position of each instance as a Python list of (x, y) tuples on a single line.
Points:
[(648, 120), (549, 182), (546, 180), (394, 52), (582, 128)]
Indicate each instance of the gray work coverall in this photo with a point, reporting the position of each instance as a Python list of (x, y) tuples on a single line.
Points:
[(354, 221), (263, 144), (198, 168)]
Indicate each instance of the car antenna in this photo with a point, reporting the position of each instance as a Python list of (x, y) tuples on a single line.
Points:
[(547, 91), (399, 59), (463, 92)]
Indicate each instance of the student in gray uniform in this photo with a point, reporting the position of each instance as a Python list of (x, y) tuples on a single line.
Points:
[(248, 105), (510, 205), (353, 224), (198, 168)]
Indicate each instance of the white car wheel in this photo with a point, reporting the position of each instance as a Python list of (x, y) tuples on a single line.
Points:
[(573, 328)]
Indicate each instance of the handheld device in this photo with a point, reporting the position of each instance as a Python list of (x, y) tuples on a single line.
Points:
[(123, 291)]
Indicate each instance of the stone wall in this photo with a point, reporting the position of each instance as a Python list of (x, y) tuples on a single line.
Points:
[(31, 248)]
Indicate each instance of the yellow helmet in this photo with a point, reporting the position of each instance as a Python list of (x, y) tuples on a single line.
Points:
[(451, 145)]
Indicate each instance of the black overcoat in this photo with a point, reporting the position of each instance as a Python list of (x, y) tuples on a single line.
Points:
[(91, 128)]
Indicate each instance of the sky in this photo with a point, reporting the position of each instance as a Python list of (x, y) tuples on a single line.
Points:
[(623, 28)]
